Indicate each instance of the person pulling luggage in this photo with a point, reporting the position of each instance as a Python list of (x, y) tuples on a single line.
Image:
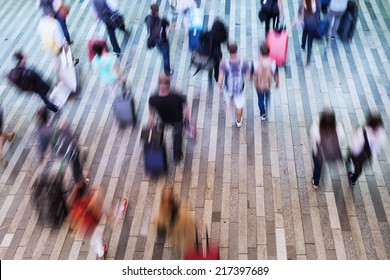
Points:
[(173, 109), (27, 79)]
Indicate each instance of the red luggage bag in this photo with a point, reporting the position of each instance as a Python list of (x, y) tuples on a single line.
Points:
[(91, 53), (211, 252), (278, 45)]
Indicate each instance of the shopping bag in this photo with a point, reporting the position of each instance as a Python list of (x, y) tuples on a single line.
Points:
[(67, 71)]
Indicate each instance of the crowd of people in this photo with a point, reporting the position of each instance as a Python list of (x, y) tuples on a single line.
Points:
[(229, 73)]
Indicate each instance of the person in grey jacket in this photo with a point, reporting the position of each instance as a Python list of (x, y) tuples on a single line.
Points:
[(336, 11)]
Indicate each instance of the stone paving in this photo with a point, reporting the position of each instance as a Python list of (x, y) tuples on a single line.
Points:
[(249, 186)]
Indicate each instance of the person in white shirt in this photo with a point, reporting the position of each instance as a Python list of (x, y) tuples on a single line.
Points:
[(366, 143), (336, 11)]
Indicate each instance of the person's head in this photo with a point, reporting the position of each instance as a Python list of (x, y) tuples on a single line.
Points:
[(154, 9), (232, 48), (43, 116), (20, 57), (98, 49), (264, 49), (164, 82), (327, 121), (219, 32), (374, 120)]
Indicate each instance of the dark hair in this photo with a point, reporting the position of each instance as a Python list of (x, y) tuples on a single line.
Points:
[(219, 32), (98, 49), (327, 123), (154, 8), (374, 120), (232, 48), (264, 49), (18, 56), (43, 115)]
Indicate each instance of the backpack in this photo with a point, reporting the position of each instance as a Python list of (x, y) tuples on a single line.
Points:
[(264, 76), (22, 78), (234, 81), (270, 7), (329, 149), (155, 33)]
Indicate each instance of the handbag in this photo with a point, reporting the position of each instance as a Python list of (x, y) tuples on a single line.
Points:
[(114, 19)]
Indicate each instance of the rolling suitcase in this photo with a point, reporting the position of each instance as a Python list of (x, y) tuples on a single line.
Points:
[(196, 28), (101, 42), (211, 252), (124, 109), (278, 45), (154, 152)]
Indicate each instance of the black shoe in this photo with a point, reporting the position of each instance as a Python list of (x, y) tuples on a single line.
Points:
[(351, 183), (76, 61), (302, 47), (70, 42), (118, 54), (170, 73), (178, 159)]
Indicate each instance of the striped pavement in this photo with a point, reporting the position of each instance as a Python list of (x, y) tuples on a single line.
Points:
[(249, 186)]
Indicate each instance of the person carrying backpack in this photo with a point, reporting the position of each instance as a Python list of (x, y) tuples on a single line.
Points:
[(264, 71), (28, 80), (157, 29), (326, 138), (366, 143), (231, 75)]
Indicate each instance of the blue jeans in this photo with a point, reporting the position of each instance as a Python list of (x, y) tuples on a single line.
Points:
[(62, 22), (308, 33), (317, 169), (263, 101), (164, 49)]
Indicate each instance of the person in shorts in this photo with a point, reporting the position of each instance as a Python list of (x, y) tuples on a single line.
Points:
[(231, 78)]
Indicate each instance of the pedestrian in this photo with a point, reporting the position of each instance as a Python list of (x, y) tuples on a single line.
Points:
[(107, 10), (184, 7), (367, 141), (27, 79), (59, 10), (173, 109), (4, 135), (231, 79), (327, 138), (211, 42), (52, 37), (157, 29), (105, 63), (61, 139), (271, 9), (310, 10), (264, 71), (336, 11)]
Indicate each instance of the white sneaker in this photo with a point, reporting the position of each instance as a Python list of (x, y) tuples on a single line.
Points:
[(264, 117), (239, 124)]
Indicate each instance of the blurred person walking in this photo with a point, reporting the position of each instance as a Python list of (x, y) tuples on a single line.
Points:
[(367, 142), (27, 79), (4, 135), (105, 63), (270, 9), (336, 11), (264, 71), (231, 81), (310, 10), (326, 138), (108, 12), (59, 10), (157, 30), (173, 109)]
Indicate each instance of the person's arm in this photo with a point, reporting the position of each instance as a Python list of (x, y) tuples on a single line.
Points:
[(221, 76), (314, 136), (152, 113)]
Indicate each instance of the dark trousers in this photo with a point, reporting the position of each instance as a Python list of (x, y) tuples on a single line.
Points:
[(358, 163), (62, 22), (77, 168), (43, 90), (177, 135), (164, 49), (317, 169), (263, 101), (308, 34), (268, 23), (113, 40)]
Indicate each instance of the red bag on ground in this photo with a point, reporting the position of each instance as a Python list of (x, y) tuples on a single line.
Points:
[(278, 45), (91, 53), (211, 252)]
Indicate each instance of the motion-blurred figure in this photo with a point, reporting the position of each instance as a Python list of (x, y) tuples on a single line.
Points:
[(367, 142), (4, 135)]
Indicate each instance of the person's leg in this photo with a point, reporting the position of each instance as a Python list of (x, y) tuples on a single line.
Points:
[(97, 244), (164, 49), (309, 46), (77, 168), (62, 22), (239, 113), (304, 37), (336, 23), (316, 171), (113, 40), (275, 21), (330, 16), (48, 104), (216, 69), (267, 101), (267, 25), (358, 169), (261, 99), (177, 132)]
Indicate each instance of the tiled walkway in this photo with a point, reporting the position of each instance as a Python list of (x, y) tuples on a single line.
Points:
[(250, 186)]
